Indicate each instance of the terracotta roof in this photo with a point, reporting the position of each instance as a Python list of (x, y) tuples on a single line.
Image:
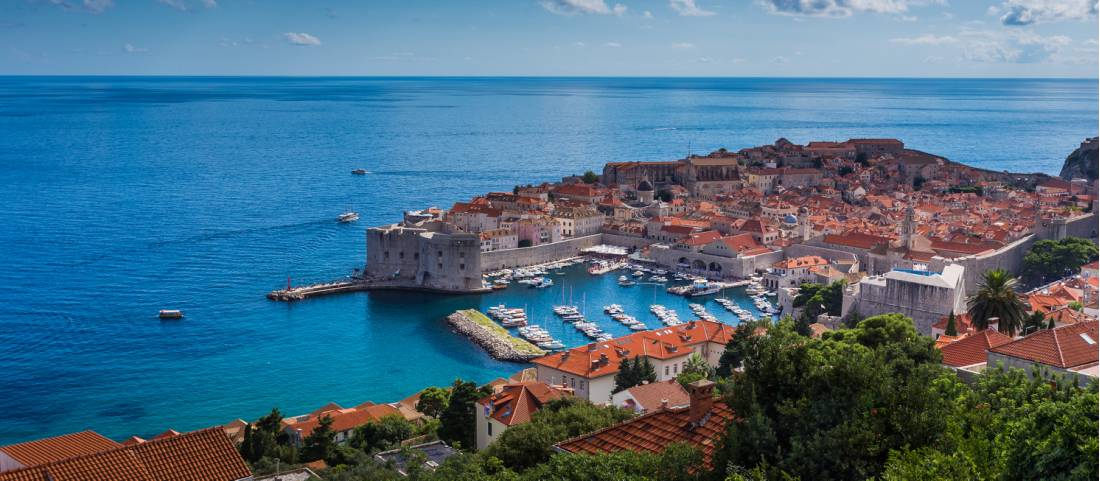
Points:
[(655, 431), (205, 455), (343, 419), (42, 451), (515, 403), (649, 396), (804, 261), (972, 349), (1064, 347), (602, 358)]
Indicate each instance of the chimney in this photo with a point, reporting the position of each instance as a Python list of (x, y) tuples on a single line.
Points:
[(664, 404), (701, 393)]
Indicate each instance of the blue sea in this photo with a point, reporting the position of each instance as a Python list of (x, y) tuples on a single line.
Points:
[(123, 196)]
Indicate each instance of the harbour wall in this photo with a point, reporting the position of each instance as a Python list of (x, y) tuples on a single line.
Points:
[(540, 254)]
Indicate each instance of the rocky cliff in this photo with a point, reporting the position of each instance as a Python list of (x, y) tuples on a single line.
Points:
[(1082, 163)]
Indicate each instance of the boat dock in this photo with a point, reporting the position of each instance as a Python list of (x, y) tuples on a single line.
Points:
[(354, 285)]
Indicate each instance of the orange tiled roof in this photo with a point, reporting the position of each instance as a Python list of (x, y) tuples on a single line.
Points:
[(856, 239), (655, 431), (804, 261), (602, 358), (649, 396), (205, 455), (972, 349), (515, 403), (42, 451), (342, 419), (1062, 347)]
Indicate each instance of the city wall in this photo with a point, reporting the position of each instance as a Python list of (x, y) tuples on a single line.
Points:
[(541, 254), (626, 240)]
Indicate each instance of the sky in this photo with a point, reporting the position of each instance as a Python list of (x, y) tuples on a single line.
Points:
[(800, 38)]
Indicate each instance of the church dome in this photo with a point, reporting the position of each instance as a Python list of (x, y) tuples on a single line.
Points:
[(645, 186), (790, 219)]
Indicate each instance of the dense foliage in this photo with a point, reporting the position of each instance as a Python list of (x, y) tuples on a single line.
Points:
[(457, 419), (1049, 260)]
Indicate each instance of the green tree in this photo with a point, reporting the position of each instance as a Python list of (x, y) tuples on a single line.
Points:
[(646, 372), (951, 329), (590, 177), (383, 434), (532, 443), (433, 401), (628, 375), (457, 420), (320, 443), (1076, 305), (1034, 322), (262, 438), (1049, 260), (817, 299), (833, 408), (735, 350), (996, 297)]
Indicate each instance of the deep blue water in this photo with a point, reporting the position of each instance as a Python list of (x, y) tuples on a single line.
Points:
[(122, 196)]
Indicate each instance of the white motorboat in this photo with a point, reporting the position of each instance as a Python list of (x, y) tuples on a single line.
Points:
[(348, 217)]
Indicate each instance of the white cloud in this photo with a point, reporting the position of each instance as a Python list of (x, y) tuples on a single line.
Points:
[(688, 8), (187, 5), (1027, 12), (926, 39), (781, 59), (98, 6), (647, 14), (704, 60), (840, 8), (578, 44), (130, 48), (613, 44), (683, 45), (302, 38), (997, 46), (573, 7)]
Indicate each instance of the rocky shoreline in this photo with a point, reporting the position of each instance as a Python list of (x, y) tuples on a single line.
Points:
[(499, 349)]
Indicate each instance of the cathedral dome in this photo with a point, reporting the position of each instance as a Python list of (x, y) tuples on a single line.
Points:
[(645, 186)]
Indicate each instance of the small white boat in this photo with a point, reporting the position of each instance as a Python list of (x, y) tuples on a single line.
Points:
[(359, 171), (170, 314), (348, 217)]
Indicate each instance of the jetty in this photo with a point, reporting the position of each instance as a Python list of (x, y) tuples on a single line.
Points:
[(496, 340), (357, 285)]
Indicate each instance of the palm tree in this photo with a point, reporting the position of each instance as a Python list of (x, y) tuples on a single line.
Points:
[(996, 298)]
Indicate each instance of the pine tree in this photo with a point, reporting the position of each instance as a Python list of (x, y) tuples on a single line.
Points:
[(646, 373), (320, 443), (951, 329), (627, 377)]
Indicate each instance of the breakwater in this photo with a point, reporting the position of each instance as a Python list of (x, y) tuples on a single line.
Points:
[(496, 340)]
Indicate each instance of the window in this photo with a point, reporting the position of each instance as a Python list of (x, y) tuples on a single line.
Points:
[(573, 383), (462, 254), (489, 428), (416, 255), (666, 370), (462, 267), (582, 384), (401, 255), (386, 255), (675, 368)]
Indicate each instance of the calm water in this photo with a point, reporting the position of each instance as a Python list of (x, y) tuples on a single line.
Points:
[(122, 196)]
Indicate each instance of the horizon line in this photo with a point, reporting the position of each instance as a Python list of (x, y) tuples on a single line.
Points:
[(408, 76)]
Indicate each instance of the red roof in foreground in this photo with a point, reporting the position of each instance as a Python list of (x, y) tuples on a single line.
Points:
[(1064, 347), (205, 455), (655, 431), (972, 349), (42, 451)]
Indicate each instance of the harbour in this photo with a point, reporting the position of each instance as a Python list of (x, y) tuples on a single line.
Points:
[(97, 243)]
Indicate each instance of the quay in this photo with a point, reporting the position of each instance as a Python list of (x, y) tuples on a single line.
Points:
[(357, 285)]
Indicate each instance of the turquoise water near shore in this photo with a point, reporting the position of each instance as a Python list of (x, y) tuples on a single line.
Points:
[(123, 196)]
